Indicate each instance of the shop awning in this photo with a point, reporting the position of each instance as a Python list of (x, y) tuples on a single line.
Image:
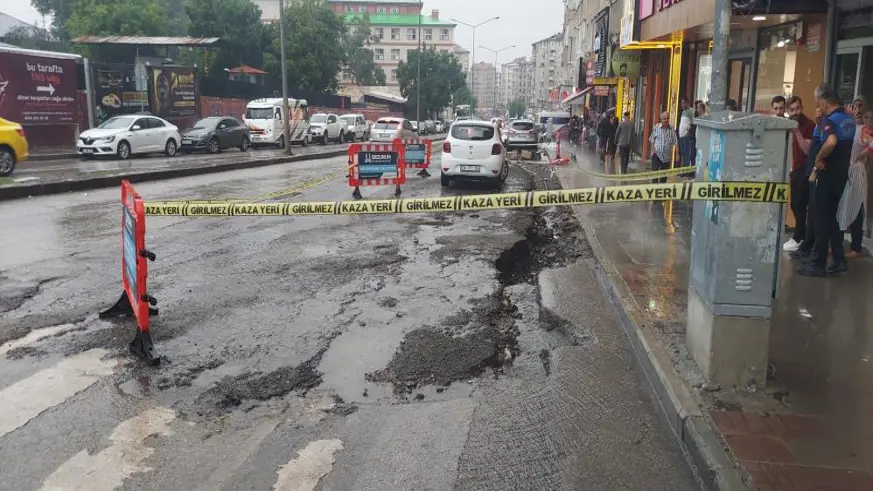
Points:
[(576, 99)]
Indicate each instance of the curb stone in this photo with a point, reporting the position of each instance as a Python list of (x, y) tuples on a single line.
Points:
[(715, 467), (70, 185)]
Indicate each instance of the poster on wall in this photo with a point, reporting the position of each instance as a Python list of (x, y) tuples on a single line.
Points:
[(626, 64), (116, 91), (173, 91), (37, 90)]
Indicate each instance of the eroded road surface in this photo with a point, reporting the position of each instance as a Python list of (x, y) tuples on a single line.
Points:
[(466, 351)]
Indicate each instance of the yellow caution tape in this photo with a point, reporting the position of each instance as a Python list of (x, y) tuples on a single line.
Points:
[(756, 192), (299, 188)]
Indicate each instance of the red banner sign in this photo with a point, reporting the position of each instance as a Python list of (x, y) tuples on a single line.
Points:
[(37, 90)]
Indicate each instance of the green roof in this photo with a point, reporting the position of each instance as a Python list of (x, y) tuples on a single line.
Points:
[(377, 20)]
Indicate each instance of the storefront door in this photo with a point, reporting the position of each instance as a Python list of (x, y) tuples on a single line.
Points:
[(739, 77)]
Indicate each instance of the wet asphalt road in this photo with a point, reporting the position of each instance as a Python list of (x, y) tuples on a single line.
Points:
[(459, 351)]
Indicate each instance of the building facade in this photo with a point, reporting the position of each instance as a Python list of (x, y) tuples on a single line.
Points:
[(516, 81), (485, 89), (463, 56), (547, 72)]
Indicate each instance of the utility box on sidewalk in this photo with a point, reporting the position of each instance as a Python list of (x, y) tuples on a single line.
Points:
[(735, 247)]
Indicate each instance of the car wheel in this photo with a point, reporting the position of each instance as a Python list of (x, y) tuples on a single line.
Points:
[(170, 148), (366, 136), (123, 150), (245, 144), (342, 137), (7, 162), (281, 142), (445, 180), (324, 138), (214, 147), (305, 141), (504, 173)]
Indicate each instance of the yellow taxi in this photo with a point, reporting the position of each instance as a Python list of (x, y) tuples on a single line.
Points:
[(13, 146)]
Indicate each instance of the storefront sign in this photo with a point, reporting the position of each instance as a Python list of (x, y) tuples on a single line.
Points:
[(37, 90), (626, 64), (601, 91), (589, 73), (605, 81), (662, 4), (647, 8), (174, 91), (117, 92)]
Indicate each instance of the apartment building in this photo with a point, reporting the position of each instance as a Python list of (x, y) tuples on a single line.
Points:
[(463, 56), (546, 56), (395, 26), (485, 88), (516, 81)]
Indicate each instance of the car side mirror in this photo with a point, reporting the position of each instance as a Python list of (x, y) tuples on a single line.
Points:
[(222, 126), (135, 127)]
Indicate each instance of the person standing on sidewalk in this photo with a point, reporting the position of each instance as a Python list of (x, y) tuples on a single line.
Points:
[(686, 118), (831, 171), (798, 179), (606, 133), (854, 200), (663, 141), (778, 105), (624, 136)]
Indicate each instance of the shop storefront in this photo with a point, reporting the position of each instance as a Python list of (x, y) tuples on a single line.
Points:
[(853, 63)]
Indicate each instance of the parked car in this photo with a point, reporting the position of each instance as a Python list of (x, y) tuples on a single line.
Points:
[(439, 127), (431, 126), (127, 135), (388, 129), (13, 146), (215, 134), (473, 151), (521, 134), (326, 127), (356, 127)]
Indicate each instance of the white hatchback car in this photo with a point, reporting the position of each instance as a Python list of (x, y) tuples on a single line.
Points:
[(124, 136), (473, 151), (386, 130)]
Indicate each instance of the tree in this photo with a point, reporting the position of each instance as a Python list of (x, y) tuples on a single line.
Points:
[(441, 76), (114, 18), (60, 11), (360, 62), (314, 48), (516, 108), (236, 22), (34, 38), (463, 96)]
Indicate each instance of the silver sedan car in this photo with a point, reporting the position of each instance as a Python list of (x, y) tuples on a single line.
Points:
[(386, 130)]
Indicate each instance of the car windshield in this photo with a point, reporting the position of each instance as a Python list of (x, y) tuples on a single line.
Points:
[(522, 126), (116, 124), (472, 132), (206, 123), (386, 125), (319, 118), (349, 120), (259, 113)]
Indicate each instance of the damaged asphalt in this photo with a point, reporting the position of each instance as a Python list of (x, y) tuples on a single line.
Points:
[(432, 346)]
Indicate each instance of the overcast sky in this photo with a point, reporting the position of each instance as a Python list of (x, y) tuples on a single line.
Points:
[(521, 22)]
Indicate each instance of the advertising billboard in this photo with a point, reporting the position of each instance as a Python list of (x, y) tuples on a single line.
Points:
[(37, 90), (116, 91), (173, 91)]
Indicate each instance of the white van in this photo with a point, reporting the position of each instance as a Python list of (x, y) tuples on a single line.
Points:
[(559, 118), (265, 117)]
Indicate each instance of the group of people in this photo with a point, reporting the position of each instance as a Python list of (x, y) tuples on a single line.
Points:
[(831, 157)]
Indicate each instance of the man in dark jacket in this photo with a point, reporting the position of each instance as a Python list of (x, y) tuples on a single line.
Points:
[(606, 133), (623, 140)]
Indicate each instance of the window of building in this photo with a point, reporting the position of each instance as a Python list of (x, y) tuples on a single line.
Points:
[(378, 32), (428, 34), (378, 54), (395, 54), (381, 10), (444, 34), (410, 34), (394, 75), (395, 10), (395, 33)]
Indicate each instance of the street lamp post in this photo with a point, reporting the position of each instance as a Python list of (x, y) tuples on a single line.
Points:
[(418, 78), (286, 118), (496, 52), (473, 50)]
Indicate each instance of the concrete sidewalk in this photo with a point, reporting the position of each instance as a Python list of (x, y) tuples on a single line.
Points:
[(812, 427)]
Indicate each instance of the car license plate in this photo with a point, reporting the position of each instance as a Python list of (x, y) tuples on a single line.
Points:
[(469, 168), (186, 141), (385, 135), (87, 150)]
